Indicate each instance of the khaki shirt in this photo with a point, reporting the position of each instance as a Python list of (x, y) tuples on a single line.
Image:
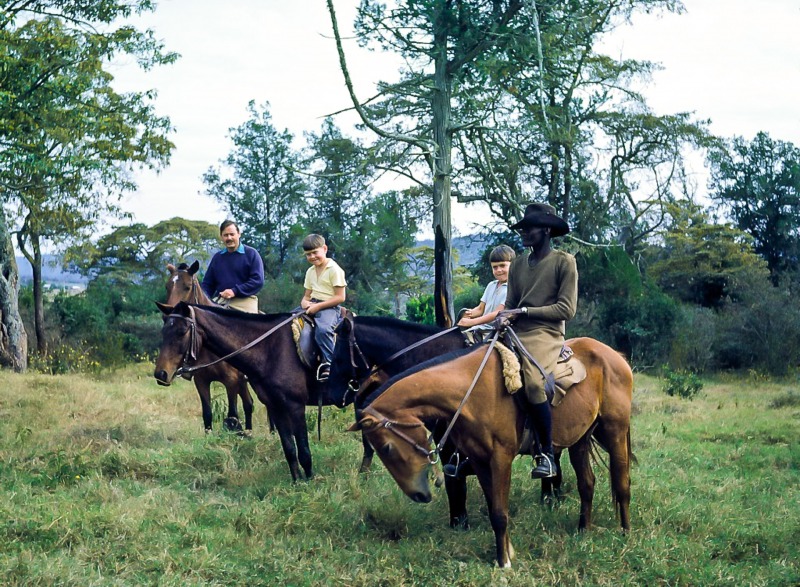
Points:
[(322, 287)]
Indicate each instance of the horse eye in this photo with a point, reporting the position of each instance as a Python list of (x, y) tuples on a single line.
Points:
[(385, 450)]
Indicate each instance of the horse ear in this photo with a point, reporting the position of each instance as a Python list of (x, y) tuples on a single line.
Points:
[(194, 267), (365, 423), (170, 267), (165, 309)]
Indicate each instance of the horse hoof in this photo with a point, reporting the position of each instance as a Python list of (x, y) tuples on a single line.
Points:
[(232, 424)]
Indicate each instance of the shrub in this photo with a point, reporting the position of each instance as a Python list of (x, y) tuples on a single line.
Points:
[(420, 309), (684, 384)]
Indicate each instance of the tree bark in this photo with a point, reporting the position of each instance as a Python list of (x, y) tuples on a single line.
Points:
[(442, 169), (13, 340)]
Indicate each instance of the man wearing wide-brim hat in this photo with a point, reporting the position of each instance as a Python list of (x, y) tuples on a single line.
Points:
[(542, 296)]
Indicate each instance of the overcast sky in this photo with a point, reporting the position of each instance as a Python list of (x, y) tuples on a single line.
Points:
[(735, 62)]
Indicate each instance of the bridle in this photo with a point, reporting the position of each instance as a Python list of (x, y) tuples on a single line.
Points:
[(394, 427)]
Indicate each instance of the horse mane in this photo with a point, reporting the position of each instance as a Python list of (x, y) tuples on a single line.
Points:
[(235, 313), (182, 267), (447, 357), (387, 322)]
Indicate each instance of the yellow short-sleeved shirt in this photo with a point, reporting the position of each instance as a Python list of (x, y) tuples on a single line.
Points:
[(322, 287)]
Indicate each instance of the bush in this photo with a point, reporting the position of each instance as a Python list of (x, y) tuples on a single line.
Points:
[(694, 337), (420, 309), (684, 384)]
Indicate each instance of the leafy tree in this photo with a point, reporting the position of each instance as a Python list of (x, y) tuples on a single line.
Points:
[(561, 119), (440, 41), (137, 252), (260, 184), (66, 137), (704, 263), (757, 184)]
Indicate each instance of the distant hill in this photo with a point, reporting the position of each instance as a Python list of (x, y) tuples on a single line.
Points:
[(51, 273), (469, 248)]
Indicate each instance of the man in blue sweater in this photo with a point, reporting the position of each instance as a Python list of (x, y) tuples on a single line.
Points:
[(236, 273)]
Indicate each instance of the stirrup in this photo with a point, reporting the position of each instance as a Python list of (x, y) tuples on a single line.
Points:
[(323, 371), (545, 466)]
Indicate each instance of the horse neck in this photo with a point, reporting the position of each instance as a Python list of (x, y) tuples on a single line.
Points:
[(224, 334), (437, 392), (379, 342), (202, 298)]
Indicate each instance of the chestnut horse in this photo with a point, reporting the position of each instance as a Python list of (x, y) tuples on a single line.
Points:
[(489, 428), (371, 349), (285, 390), (182, 286)]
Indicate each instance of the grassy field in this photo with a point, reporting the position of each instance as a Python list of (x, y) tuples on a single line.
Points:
[(111, 481)]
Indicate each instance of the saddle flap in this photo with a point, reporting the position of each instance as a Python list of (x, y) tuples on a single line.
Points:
[(567, 373)]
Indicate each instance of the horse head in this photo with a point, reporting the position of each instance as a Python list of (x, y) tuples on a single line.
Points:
[(182, 285), (179, 341), (401, 446)]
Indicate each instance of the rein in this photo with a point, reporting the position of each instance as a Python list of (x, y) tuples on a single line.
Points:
[(433, 454), (192, 345), (466, 395)]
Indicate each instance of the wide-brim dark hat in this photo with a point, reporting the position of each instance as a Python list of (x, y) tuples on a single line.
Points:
[(543, 215)]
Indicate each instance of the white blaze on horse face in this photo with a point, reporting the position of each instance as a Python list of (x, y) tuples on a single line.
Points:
[(175, 279)]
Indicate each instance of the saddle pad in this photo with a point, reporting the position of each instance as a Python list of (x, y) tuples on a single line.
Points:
[(303, 334)]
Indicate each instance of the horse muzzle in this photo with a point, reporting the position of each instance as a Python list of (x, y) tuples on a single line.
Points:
[(162, 377)]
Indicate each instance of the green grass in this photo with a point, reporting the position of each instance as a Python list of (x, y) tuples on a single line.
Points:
[(111, 481)]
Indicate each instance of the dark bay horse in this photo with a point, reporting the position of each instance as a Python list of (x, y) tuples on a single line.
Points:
[(272, 366), (182, 286), (489, 429)]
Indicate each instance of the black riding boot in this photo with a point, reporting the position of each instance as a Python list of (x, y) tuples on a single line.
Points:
[(545, 462)]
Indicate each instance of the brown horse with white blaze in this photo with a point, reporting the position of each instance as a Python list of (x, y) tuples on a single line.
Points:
[(489, 428), (182, 286)]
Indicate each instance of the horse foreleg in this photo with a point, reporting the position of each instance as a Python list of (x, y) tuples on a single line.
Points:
[(203, 388), (369, 453), (456, 488), (495, 481), (232, 422), (247, 402), (579, 457), (301, 439), (551, 486)]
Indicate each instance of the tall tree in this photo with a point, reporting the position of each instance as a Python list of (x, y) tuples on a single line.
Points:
[(67, 139), (440, 41), (757, 184), (261, 186), (560, 119)]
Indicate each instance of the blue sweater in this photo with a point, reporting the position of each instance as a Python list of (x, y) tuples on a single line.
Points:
[(242, 271)]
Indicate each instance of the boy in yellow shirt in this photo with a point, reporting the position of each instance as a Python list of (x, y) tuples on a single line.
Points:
[(325, 285)]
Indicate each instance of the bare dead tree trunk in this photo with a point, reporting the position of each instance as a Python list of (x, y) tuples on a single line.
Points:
[(442, 170), (13, 340)]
